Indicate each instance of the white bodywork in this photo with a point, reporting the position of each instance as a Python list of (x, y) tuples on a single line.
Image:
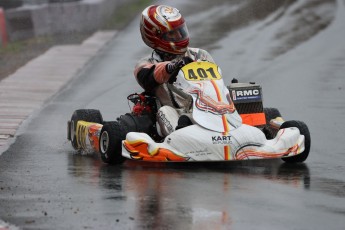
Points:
[(218, 134)]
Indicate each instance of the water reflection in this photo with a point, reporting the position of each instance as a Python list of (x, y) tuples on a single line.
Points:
[(269, 169), (200, 196), (180, 196), (79, 166)]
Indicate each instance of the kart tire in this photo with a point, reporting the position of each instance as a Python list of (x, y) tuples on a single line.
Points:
[(110, 143), (89, 115), (303, 128), (270, 113)]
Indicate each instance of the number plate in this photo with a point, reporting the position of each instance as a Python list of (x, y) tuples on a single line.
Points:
[(201, 71)]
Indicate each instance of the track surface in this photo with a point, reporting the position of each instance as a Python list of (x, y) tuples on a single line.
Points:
[(44, 184)]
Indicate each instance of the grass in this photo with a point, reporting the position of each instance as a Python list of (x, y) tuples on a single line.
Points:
[(18, 46), (18, 53), (12, 47)]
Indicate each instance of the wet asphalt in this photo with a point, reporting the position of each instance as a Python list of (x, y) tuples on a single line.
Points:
[(45, 184)]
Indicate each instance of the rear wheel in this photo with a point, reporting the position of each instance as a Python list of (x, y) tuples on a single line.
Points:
[(89, 115), (303, 129), (110, 143)]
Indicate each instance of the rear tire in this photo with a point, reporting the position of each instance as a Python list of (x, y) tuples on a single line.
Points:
[(110, 143), (89, 115), (303, 128), (270, 113)]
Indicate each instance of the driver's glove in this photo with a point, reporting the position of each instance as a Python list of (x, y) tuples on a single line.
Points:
[(174, 66)]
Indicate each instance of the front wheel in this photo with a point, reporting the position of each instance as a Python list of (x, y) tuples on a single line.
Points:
[(303, 129), (89, 115), (110, 143)]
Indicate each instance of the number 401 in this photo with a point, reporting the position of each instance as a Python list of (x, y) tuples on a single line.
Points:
[(202, 74)]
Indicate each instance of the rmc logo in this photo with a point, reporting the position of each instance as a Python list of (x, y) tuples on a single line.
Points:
[(246, 93)]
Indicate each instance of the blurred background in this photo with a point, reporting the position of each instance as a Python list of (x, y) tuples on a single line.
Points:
[(30, 27)]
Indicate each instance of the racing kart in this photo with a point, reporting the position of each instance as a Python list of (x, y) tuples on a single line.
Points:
[(229, 123)]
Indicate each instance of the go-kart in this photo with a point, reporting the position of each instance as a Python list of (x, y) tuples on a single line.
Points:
[(229, 123)]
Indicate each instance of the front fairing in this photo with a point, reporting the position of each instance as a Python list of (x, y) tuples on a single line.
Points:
[(212, 106)]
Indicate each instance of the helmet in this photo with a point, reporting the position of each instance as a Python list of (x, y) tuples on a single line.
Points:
[(164, 29)]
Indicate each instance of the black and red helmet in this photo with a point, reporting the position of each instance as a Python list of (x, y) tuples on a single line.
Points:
[(163, 28)]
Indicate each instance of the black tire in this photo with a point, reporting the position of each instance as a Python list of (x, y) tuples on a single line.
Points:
[(110, 143), (90, 115), (303, 128), (270, 113)]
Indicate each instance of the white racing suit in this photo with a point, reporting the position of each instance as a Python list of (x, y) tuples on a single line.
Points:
[(151, 74)]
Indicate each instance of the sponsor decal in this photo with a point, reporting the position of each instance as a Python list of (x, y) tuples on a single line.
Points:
[(199, 153), (167, 12), (82, 132), (165, 121), (247, 94), (224, 140)]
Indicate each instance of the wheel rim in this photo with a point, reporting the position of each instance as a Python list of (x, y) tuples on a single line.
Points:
[(104, 142)]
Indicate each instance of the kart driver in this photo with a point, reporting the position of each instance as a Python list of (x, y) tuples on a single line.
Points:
[(164, 30)]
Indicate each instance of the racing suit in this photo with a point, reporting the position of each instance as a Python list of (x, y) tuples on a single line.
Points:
[(152, 76)]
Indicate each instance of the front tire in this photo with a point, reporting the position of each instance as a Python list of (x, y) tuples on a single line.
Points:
[(110, 143), (303, 128), (89, 115)]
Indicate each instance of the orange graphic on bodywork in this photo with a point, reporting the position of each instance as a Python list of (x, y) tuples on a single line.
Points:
[(208, 104), (94, 132), (251, 153), (139, 151)]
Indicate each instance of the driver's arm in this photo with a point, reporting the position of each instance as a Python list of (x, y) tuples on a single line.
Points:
[(150, 75)]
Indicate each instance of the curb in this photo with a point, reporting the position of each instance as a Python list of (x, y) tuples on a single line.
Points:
[(26, 90)]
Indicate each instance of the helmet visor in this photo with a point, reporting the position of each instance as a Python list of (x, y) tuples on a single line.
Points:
[(178, 34)]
